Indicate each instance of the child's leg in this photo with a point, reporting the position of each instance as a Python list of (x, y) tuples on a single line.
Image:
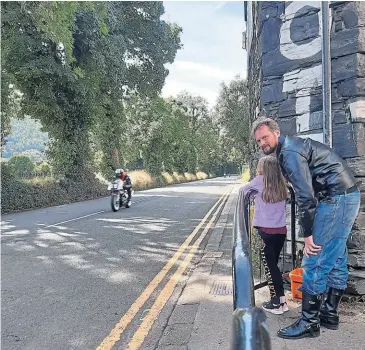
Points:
[(279, 246), (277, 242), (263, 253), (272, 244)]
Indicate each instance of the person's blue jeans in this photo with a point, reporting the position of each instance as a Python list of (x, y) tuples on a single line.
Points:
[(334, 218)]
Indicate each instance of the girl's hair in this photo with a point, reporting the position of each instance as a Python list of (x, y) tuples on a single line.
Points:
[(275, 189)]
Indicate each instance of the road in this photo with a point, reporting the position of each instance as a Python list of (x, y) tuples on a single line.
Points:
[(79, 276)]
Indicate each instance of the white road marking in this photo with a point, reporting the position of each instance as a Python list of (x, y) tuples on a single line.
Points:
[(78, 218)]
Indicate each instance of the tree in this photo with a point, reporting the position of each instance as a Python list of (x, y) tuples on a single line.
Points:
[(34, 155), (208, 147), (76, 62), (232, 114), (11, 99), (160, 132), (127, 59), (43, 169), (41, 68), (21, 166), (156, 132), (196, 108), (5, 117)]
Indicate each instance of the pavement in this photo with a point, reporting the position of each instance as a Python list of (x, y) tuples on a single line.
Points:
[(201, 317)]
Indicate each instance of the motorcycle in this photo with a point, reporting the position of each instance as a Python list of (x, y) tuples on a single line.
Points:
[(119, 195)]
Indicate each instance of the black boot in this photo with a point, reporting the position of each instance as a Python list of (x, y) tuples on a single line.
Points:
[(328, 315), (308, 324)]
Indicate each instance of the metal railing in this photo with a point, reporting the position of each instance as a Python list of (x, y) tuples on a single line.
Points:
[(250, 331)]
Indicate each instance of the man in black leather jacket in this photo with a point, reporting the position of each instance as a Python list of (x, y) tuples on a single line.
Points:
[(328, 201)]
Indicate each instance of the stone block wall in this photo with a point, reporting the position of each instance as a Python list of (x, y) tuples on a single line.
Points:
[(285, 79)]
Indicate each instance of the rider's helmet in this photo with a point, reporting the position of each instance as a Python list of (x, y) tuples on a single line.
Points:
[(119, 173)]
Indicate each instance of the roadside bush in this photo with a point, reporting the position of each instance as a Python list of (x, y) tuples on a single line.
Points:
[(21, 166), (190, 177), (245, 176), (159, 181), (18, 195), (43, 169), (168, 178), (202, 176), (141, 179), (39, 180), (178, 177), (24, 194)]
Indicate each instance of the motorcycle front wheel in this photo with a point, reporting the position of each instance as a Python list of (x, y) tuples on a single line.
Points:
[(115, 204)]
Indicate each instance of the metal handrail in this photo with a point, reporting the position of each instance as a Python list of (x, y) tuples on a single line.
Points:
[(250, 331), (292, 227), (243, 287)]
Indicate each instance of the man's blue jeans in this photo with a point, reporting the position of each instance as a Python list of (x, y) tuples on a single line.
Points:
[(334, 218)]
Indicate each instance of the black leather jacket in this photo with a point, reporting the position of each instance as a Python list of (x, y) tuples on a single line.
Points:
[(315, 171), (127, 183)]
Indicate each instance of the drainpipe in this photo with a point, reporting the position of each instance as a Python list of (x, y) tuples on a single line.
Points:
[(326, 74)]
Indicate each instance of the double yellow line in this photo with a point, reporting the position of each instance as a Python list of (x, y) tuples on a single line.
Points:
[(144, 328)]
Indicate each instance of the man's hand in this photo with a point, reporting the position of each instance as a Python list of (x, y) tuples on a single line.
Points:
[(309, 247)]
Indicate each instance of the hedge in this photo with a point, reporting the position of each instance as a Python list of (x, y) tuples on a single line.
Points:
[(19, 195)]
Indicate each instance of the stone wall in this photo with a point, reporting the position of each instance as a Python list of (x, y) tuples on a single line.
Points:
[(285, 79)]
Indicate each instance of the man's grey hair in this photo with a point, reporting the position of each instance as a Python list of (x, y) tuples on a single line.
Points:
[(270, 123)]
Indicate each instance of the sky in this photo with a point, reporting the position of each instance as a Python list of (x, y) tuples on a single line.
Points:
[(212, 46)]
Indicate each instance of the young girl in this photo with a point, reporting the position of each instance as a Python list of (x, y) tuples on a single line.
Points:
[(270, 221)]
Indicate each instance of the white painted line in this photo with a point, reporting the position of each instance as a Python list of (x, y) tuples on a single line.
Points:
[(80, 217)]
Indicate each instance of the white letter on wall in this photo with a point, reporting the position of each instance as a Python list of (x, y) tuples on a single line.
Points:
[(287, 47)]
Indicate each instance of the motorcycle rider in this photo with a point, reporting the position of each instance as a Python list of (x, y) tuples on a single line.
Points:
[(127, 183)]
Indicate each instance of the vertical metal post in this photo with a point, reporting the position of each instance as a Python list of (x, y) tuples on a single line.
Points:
[(292, 227), (326, 74)]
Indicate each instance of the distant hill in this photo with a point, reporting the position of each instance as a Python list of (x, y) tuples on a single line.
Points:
[(26, 137)]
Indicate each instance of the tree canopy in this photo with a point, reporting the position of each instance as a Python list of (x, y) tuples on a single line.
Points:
[(232, 114), (75, 63)]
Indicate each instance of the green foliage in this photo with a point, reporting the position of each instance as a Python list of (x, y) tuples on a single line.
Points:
[(56, 20), (76, 62), (43, 169), (196, 108), (21, 166), (167, 137), (131, 59), (17, 195), (5, 128), (51, 91), (231, 113), (208, 147), (11, 99)]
